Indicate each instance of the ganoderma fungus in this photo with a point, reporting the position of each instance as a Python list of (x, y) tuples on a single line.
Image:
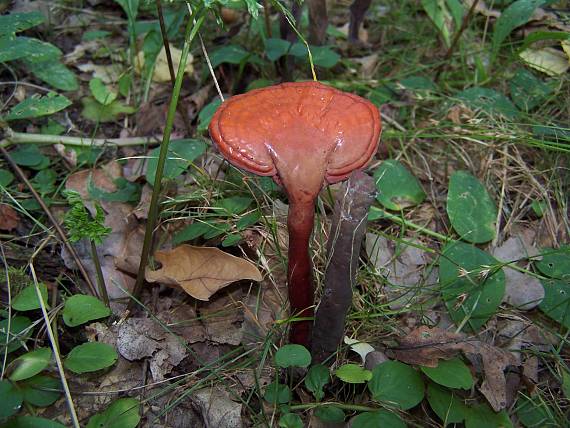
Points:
[(302, 135)]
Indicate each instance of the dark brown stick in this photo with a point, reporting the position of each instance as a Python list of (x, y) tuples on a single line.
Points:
[(348, 229), (52, 219), (455, 40)]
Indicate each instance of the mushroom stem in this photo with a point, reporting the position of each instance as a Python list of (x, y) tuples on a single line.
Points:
[(299, 275)]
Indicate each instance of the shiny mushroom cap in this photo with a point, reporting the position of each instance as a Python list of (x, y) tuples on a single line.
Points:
[(302, 134)]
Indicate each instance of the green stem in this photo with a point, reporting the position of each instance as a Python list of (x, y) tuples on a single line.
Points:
[(377, 213), (100, 278), (353, 407), (12, 137), (191, 31)]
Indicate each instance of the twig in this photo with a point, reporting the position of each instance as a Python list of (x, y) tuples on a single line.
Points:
[(348, 229), (55, 349), (191, 31), (455, 40), (12, 137), (100, 278), (9, 326), (166, 43), (51, 218)]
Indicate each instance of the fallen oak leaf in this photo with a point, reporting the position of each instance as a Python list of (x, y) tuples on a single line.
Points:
[(201, 271), (424, 346)]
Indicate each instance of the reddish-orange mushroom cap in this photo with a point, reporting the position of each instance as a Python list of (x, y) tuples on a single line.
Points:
[(302, 133)]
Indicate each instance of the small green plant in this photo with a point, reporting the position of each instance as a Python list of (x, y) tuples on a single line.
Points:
[(28, 380), (81, 225)]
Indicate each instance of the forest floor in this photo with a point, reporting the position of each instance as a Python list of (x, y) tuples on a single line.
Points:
[(461, 305)]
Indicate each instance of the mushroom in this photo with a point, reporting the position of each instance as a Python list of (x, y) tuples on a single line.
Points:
[(303, 135)]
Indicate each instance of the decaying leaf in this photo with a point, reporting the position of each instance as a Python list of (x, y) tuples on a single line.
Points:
[(547, 60), (201, 271), (424, 346), (9, 218), (161, 73)]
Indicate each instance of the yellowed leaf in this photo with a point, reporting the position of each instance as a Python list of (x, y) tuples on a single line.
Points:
[(547, 60), (161, 72), (201, 271), (566, 46)]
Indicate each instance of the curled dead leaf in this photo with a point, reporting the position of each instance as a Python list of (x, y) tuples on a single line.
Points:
[(424, 346), (201, 271)]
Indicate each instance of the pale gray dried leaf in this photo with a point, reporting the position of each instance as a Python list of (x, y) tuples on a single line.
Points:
[(217, 410), (522, 291)]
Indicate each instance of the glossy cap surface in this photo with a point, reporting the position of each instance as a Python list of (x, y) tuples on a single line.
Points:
[(302, 133)]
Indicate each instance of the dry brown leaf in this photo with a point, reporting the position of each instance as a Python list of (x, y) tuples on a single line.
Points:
[(201, 271), (9, 218), (424, 346)]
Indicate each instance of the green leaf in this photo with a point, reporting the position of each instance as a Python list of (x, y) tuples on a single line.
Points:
[(527, 91), (457, 11), (489, 101), (28, 155), (353, 373), (97, 112), (276, 393), (89, 36), (482, 416), (418, 83), (16, 22), (31, 49), (54, 73), (80, 309), (231, 240), (90, 357), (290, 420), (180, 154), (40, 390), (537, 36), (126, 191), (6, 177), (535, 413), (20, 332), (276, 48), (27, 299), (229, 54), (380, 418), (471, 210), (316, 379), (469, 286), (437, 14), (451, 373), (446, 405), (37, 106), (248, 220), (331, 414), (555, 263), (323, 56), (205, 115), (397, 187), (11, 399), (32, 422), (131, 8), (122, 413), (44, 181), (514, 16), (396, 383), (101, 92), (30, 364), (190, 232), (292, 356), (234, 204), (556, 301)]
